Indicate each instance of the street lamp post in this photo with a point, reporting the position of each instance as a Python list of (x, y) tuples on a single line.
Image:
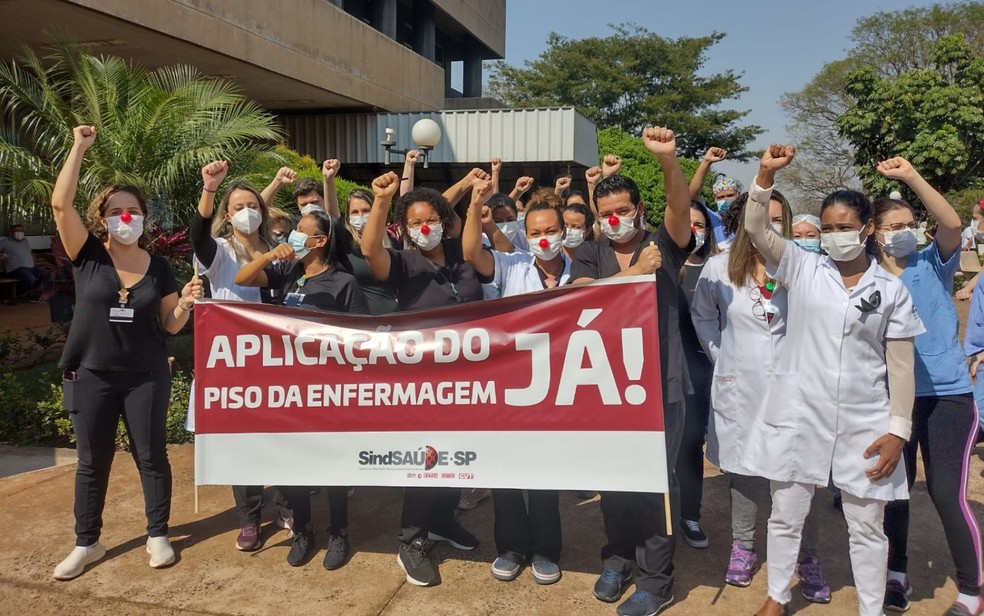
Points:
[(425, 133)]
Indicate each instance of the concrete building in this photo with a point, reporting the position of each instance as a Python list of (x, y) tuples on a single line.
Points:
[(319, 55), (336, 72)]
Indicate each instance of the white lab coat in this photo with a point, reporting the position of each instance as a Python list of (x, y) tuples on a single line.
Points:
[(744, 348), (829, 396)]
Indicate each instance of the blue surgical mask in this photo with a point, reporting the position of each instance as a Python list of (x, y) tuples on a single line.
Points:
[(808, 244), (723, 205), (298, 241)]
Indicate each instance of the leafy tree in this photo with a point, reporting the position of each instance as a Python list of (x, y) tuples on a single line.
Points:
[(156, 128), (639, 164), (890, 43), (932, 116), (630, 79)]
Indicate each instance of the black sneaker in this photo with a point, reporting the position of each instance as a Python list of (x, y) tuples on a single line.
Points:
[(585, 495), (693, 535), (897, 596), (456, 535), (300, 549), (643, 603), (412, 558), (611, 585), (338, 550)]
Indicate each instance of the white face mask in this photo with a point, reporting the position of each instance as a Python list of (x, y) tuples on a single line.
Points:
[(510, 229), (125, 232), (842, 246), (358, 221), (427, 241), (575, 237), (247, 220), (777, 227), (311, 207), (900, 243), (552, 248), (625, 230), (18, 235), (700, 237)]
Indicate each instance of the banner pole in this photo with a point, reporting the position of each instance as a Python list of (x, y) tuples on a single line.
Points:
[(666, 508)]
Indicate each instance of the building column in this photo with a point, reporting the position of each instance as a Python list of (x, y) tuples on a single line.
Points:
[(473, 71), (424, 29), (384, 17)]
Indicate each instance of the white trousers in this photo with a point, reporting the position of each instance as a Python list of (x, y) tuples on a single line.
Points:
[(868, 543)]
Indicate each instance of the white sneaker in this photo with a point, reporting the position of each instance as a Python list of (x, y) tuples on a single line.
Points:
[(78, 559), (161, 552)]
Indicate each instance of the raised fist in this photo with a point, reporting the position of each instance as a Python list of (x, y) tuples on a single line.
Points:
[(649, 259), (777, 157), (330, 168), (481, 190), (562, 184), (282, 252), (715, 155), (386, 185), (213, 174), (496, 164), (593, 175), (412, 157), (524, 183), (85, 136), (610, 165), (660, 141), (486, 216), (477, 172), (897, 168), (285, 175)]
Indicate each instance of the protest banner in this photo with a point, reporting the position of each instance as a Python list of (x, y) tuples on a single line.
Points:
[(551, 390)]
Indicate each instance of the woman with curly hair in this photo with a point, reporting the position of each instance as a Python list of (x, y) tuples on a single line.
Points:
[(430, 274)]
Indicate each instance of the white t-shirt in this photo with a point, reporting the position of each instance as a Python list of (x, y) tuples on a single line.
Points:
[(223, 271)]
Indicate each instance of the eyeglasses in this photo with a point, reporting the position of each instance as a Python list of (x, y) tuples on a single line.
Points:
[(899, 226), (416, 224)]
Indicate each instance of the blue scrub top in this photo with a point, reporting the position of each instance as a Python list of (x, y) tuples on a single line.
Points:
[(940, 366)]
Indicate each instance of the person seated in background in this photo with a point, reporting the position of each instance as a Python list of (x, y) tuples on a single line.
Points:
[(16, 255)]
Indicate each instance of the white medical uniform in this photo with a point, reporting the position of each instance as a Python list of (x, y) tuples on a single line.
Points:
[(744, 347), (222, 273), (516, 273), (829, 396)]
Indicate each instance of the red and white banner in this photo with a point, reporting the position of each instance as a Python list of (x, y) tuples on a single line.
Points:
[(558, 389)]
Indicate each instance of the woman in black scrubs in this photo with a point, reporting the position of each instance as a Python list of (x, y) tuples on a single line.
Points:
[(430, 274)]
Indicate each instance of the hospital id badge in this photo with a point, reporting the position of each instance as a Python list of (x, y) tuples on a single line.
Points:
[(294, 299), (121, 315)]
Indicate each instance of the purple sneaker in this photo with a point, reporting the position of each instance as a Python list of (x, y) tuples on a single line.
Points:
[(743, 565), (812, 583)]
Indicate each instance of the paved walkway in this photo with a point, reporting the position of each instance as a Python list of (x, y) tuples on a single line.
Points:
[(211, 577)]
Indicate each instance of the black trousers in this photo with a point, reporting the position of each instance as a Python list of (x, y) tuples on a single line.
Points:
[(249, 502), (300, 500), (527, 532), (636, 525), (945, 429), (426, 509), (690, 460), (96, 400)]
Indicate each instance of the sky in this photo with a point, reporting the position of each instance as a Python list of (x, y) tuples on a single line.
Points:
[(776, 46)]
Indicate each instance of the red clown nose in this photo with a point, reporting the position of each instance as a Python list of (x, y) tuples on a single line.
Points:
[(125, 217), (544, 243), (613, 221), (425, 230)]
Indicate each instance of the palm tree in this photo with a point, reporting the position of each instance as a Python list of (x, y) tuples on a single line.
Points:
[(156, 128)]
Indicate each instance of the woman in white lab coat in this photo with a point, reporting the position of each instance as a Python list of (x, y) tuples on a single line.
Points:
[(739, 313), (849, 340)]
